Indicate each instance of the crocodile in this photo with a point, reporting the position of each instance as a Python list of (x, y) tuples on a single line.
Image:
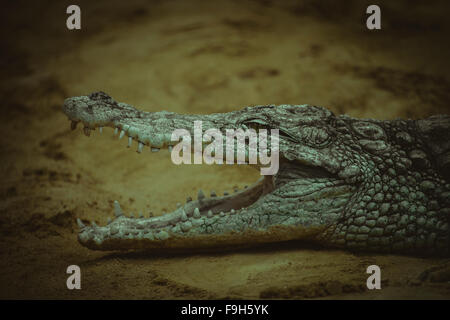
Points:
[(357, 184)]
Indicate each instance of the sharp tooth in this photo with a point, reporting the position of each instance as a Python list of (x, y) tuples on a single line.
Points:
[(222, 214), (94, 225), (87, 131), (232, 211), (80, 223), (155, 149), (122, 133), (130, 140), (73, 125), (178, 205), (197, 213), (117, 210), (108, 221), (188, 199), (100, 129), (140, 147), (183, 216), (213, 193), (116, 131), (201, 195), (210, 214)]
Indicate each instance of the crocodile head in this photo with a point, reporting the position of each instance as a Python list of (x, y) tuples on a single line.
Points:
[(344, 182)]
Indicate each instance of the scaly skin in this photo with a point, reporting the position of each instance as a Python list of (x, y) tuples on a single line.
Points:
[(350, 183)]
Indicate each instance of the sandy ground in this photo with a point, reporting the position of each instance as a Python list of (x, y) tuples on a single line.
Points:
[(194, 57)]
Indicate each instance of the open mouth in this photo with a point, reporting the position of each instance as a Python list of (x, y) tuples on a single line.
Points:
[(185, 216), (203, 206), (297, 202)]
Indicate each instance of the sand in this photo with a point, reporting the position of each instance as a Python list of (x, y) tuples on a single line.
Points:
[(194, 57)]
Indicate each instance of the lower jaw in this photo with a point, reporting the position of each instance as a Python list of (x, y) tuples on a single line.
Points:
[(209, 242), (193, 242)]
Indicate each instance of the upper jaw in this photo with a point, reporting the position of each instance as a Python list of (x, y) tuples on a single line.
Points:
[(153, 129)]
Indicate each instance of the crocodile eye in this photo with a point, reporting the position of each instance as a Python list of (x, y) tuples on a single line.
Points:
[(256, 124), (369, 130), (314, 136)]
